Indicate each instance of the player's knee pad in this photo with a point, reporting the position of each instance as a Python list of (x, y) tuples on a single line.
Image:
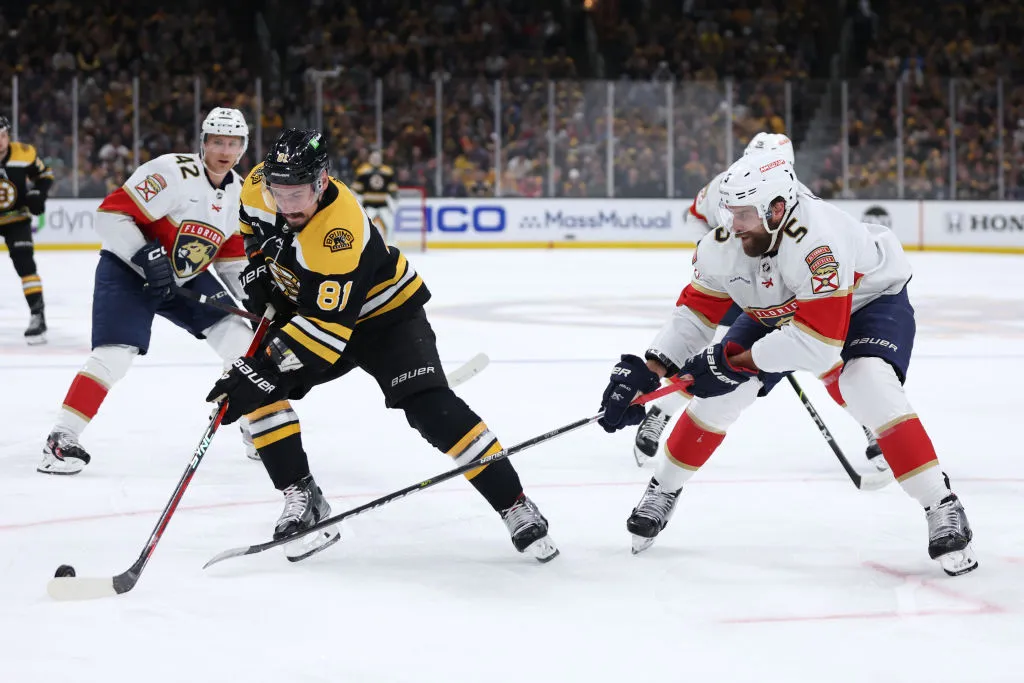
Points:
[(109, 364), (229, 337), (873, 392), (441, 417), (720, 412)]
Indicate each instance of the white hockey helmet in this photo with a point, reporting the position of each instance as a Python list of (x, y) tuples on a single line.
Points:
[(757, 181), (774, 143), (225, 121)]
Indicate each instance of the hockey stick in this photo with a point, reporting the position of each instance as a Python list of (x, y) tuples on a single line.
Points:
[(864, 482), (86, 588), (213, 303), (459, 375), (425, 484)]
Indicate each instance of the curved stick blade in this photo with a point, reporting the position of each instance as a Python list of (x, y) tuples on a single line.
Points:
[(227, 555), (876, 481)]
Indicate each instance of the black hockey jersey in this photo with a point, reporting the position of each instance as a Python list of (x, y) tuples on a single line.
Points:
[(374, 184), (20, 167), (337, 270)]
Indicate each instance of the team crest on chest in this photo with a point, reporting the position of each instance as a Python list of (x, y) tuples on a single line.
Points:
[(824, 270), (195, 246), (339, 239), (285, 279), (8, 193)]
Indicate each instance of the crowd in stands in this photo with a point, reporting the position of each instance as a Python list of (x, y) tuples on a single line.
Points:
[(460, 76)]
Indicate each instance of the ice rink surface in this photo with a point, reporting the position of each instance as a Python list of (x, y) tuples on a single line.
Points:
[(774, 567)]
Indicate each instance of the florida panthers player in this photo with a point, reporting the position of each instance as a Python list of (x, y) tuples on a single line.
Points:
[(173, 218), (703, 215), (838, 308)]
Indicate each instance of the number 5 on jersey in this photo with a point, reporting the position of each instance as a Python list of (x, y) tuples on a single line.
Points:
[(333, 297)]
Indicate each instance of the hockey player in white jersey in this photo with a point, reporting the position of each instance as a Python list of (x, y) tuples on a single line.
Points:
[(824, 294), (172, 219), (703, 216)]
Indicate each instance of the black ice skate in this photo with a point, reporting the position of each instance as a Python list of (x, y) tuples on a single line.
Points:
[(651, 515), (648, 435), (304, 506), (949, 536), (529, 530), (36, 332), (62, 454), (874, 452)]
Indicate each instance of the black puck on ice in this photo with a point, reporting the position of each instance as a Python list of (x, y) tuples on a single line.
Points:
[(64, 570)]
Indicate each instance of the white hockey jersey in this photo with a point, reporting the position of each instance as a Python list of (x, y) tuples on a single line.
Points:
[(704, 211), (826, 266), (171, 199)]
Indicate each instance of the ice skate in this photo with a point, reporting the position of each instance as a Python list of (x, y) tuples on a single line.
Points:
[(36, 332), (651, 515), (304, 506), (949, 536), (648, 435), (62, 454), (529, 530), (247, 442), (874, 452)]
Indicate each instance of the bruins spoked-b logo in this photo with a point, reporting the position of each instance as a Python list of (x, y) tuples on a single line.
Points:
[(8, 194), (194, 247), (339, 239)]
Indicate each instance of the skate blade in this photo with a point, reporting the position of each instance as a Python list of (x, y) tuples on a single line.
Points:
[(299, 550), (543, 550), (61, 467), (641, 544), (36, 340), (958, 562), (641, 457), (879, 463)]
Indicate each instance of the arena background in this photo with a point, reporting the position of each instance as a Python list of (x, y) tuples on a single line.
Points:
[(520, 120)]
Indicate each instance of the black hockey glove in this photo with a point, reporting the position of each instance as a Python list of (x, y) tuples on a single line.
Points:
[(156, 266), (247, 385), (36, 202), (260, 291), (712, 373), (630, 377)]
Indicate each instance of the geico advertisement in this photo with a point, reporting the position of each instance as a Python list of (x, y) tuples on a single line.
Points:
[(545, 220), (974, 224), (67, 221)]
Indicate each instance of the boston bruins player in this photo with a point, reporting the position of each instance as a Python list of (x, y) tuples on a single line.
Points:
[(21, 167), (344, 300), (377, 191)]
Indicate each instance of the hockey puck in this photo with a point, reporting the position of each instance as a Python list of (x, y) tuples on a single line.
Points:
[(64, 570)]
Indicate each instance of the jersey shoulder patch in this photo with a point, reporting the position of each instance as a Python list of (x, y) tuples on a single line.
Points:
[(252, 190), (364, 169), (333, 242), (386, 170)]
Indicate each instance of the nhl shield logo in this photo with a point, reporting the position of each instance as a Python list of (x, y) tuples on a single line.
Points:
[(194, 247)]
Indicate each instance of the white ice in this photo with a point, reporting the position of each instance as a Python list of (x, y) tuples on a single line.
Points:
[(774, 567)]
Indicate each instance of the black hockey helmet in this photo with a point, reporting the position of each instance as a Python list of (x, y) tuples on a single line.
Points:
[(297, 157), (5, 123)]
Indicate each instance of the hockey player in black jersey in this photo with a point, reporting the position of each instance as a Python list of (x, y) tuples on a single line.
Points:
[(25, 181), (377, 191), (344, 300)]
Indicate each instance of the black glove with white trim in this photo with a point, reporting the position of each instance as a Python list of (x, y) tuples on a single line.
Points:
[(630, 378)]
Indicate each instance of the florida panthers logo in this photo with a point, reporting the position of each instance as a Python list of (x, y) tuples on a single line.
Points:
[(195, 247)]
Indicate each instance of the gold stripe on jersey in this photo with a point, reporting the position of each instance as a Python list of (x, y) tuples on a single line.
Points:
[(329, 334), (403, 295), (21, 155), (401, 266), (310, 344)]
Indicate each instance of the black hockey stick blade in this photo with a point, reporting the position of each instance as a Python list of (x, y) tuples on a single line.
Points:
[(864, 482), (402, 493), (89, 588)]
